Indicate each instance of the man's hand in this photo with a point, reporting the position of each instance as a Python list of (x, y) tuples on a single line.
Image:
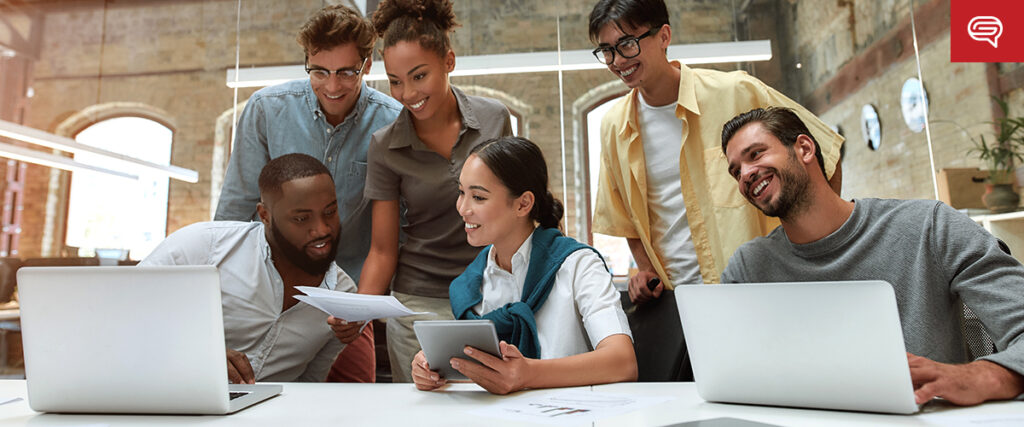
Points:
[(422, 376), (239, 369), (508, 374), (968, 384), (346, 332), (638, 291)]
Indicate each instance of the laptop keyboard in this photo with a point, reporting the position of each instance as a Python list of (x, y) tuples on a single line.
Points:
[(232, 395)]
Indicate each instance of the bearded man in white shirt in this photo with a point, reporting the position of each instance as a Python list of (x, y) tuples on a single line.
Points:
[(271, 336)]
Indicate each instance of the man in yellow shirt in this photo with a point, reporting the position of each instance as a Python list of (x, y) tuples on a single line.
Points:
[(682, 218)]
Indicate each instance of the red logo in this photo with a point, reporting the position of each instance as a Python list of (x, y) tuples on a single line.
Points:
[(986, 30)]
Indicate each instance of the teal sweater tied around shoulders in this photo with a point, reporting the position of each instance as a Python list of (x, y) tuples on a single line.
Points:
[(514, 321)]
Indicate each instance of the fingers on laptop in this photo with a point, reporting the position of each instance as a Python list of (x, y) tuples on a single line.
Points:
[(239, 369), (932, 379), (422, 376), (966, 384)]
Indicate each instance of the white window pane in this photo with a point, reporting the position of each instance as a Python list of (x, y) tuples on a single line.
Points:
[(615, 250), (111, 212)]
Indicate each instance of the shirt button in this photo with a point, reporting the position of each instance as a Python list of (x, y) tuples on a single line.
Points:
[(330, 159), (328, 130)]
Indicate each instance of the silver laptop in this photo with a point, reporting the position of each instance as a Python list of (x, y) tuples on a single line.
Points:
[(831, 345), (128, 340)]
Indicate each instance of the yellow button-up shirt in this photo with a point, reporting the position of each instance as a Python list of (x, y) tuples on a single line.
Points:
[(720, 218)]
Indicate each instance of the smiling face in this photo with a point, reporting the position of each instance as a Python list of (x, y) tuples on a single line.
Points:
[(491, 213), (769, 174), (336, 95), (302, 222), (418, 78), (639, 69)]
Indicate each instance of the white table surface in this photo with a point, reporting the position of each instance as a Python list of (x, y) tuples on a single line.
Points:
[(403, 405)]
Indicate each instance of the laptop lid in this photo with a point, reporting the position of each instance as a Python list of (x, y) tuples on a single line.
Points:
[(124, 339), (832, 345)]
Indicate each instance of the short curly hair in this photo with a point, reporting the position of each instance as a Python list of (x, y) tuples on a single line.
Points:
[(334, 26), (286, 168)]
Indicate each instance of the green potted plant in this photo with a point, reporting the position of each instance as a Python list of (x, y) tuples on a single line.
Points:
[(1001, 155)]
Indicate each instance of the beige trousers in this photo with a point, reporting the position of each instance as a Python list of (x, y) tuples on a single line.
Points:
[(402, 343)]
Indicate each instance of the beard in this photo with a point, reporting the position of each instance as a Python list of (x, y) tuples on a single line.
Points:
[(792, 197), (297, 256)]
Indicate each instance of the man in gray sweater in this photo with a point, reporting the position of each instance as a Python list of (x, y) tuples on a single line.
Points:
[(933, 256)]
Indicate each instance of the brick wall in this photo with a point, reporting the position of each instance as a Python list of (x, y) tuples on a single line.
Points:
[(171, 55)]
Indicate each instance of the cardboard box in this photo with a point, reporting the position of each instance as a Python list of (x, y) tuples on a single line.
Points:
[(962, 188)]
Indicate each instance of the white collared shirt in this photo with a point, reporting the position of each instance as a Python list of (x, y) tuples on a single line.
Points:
[(582, 309), (296, 345)]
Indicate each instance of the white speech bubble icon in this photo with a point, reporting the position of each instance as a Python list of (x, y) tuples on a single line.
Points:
[(985, 29)]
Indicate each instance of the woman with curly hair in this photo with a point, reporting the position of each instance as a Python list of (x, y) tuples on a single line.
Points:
[(413, 168)]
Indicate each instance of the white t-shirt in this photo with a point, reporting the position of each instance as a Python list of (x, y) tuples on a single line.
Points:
[(662, 135), (296, 345), (582, 309)]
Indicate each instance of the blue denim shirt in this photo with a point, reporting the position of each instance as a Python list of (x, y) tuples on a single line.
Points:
[(285, 119)]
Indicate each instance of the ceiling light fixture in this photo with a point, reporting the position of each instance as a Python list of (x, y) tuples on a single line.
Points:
[(62, 143), (529, 62), (23, 154)]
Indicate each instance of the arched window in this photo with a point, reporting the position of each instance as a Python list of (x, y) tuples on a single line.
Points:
[(107, 212), (615, 250)]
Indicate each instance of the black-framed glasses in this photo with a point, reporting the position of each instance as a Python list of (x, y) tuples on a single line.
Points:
[(626, 47), (347, 74)]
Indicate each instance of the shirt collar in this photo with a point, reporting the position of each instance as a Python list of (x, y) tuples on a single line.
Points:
[(520, 259), (687, 90), (314, 104), (403, 124), (686, 100)]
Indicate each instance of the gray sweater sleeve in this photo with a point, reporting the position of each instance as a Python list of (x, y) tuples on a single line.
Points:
[(734, 270), (985, 278)]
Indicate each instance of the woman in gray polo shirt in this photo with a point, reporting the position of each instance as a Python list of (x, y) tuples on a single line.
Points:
[(413, 166)]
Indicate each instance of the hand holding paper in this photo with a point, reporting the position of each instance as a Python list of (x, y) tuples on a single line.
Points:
[(353, 307)]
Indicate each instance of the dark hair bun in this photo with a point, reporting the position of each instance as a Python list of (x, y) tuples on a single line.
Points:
[(552, 212), (438, 12)]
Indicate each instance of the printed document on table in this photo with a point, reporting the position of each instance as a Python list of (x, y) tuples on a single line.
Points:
[(573, 407), (353, 307)]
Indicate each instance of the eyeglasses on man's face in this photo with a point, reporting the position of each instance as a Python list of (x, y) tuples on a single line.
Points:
[(626, 47), (347, 74)]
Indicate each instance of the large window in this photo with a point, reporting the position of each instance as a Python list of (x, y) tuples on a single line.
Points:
[(108, 212), (615, 250)]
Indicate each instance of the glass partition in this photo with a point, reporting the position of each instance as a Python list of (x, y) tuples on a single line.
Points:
[(68, 64)]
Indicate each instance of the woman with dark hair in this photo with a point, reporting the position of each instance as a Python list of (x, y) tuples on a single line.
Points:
[(413, 165), (550, 297)]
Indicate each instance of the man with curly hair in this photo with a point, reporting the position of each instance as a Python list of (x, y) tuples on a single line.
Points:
[(329, 116)]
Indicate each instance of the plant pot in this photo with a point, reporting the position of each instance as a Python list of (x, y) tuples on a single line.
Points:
[(1000, 198)]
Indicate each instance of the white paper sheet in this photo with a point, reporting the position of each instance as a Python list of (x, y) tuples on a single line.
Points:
[(353, 307), (980, 420), (568, 407)]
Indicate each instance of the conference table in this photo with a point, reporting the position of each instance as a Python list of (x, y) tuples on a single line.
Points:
[(333, 404)]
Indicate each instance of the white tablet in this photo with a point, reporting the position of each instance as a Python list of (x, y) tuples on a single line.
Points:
[(442, 340)]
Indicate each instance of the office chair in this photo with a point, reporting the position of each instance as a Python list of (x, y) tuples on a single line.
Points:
[(976, 340), (658, 339)]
